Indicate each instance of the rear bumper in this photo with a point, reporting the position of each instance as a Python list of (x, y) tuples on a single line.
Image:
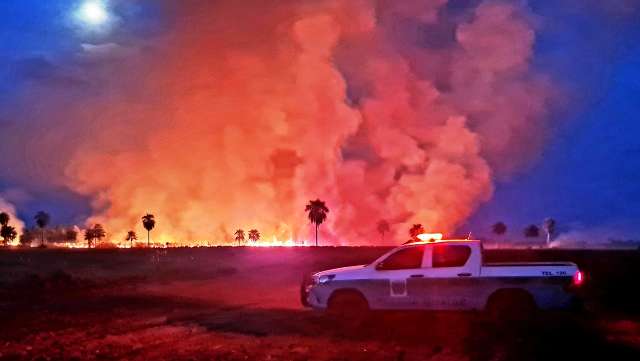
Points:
[(560, 301)]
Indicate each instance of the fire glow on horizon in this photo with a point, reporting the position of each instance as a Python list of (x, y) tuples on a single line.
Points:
[(273, 242)]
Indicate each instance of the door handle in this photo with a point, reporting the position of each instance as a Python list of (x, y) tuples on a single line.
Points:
[(464, 274), (416, 276)]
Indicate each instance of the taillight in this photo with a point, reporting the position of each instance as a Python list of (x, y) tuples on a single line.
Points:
[(578, 278)]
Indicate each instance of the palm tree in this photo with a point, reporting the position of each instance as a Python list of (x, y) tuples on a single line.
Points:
[(254, 235), (4, 219), (317, 214), (532, 231), (12, 233), (239, 236), (8, 234), (42, 220), (383, 227), (70, 235), (89, 236), (549, 226), (4, 226), (416, 230), (131, 236), (148, 222), (98, 232), (499, 228), (26, 238)]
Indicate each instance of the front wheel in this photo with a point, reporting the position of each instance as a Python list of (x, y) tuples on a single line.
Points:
[(348, 304)]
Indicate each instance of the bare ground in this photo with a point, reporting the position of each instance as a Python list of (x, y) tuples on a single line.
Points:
[(242, 304)]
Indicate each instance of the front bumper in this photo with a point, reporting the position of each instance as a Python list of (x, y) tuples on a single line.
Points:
[(311, 294), (305, 288), (304, 296)]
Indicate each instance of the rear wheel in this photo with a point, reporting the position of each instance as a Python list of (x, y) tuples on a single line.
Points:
[(511, 305)]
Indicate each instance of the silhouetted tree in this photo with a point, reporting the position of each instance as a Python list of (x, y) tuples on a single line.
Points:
[(148, 222), (12, 233), (254, 235), (416, 230), (42, 220), (317, 214), (58, 234), (71, 235), (499, 228), (5, 229), (98, 232), (89, 236), (131, 236), (383, 228), (549, 226), (239, 236), (26, 238), (4, 219), (8, 234), (532, 231)]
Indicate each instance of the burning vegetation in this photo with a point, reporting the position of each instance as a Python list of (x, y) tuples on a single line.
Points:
[(93, 236)]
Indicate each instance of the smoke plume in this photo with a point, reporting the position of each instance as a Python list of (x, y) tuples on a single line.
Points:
[(242, 112), (14, 221)]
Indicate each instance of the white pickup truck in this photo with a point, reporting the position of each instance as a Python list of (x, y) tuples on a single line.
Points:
[(444, 275)]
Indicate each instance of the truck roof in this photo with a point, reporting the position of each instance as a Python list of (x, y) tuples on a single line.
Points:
[(439, 241)]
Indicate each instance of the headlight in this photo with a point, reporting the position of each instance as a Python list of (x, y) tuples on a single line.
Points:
[(324, 279)]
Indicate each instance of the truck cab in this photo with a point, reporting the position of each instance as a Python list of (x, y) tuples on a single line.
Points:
[(442, 275)]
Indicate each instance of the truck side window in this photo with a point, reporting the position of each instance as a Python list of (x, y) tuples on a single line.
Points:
[(407, 258), (450, 255)]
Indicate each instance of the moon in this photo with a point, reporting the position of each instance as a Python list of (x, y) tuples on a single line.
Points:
[(93, 13)]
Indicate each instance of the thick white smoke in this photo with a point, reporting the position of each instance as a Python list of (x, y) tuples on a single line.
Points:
[(14, 221)]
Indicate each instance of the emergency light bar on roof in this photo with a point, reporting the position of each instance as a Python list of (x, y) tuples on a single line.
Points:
[(430, 237)]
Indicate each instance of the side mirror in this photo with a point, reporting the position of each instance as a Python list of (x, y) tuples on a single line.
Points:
[(380, 266)]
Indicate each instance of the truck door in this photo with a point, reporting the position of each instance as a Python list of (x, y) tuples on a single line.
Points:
[(397, 268), (448, 281)]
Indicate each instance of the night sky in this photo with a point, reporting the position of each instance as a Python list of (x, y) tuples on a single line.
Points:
[(586, 176)]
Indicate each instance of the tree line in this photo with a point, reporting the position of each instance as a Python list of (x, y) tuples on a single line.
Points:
[(60, 234), (530, 231), (93, 235), (317, 212)]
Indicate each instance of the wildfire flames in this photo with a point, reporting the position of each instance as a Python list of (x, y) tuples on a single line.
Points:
[(400, 111), (190, 243)]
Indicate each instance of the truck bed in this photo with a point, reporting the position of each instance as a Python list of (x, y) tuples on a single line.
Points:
[(529, 269), (518, 264)]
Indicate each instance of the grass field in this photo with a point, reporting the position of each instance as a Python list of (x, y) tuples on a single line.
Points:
[(242, 304)]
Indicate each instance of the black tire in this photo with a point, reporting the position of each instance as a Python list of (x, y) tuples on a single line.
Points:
[(349, 304), (511, 305)]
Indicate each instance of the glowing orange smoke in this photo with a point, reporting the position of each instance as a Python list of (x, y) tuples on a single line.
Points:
[(248, 109)]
